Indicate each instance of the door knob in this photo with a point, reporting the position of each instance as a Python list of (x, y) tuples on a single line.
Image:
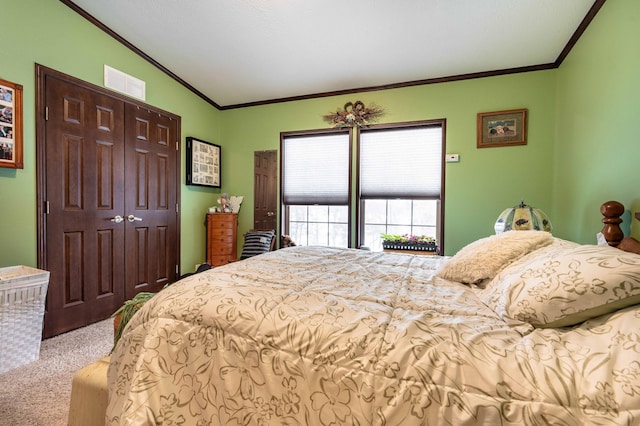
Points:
[(270, 214), (117, 219), (132, 218)]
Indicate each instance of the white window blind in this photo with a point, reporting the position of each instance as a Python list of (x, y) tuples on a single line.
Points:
[(401, 163), (316, 169)]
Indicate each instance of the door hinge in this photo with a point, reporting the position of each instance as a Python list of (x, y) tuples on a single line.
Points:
[(177, 269), (46, 207), (46, 113), (177, 208), (177, 145)]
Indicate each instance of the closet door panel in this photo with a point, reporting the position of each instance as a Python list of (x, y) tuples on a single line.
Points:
[(151, 204), (84, 192)]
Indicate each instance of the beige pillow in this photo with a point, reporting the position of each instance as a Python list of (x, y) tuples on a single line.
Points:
[(484, 258), (566, 286)]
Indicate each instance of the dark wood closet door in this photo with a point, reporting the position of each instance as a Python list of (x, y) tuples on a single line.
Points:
[(151, 200), (84, 194), (108, 195), (265, 189)]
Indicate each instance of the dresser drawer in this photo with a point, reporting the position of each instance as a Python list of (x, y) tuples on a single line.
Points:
[(220, 260), (216, 249), (223, 224), (221, 238), (221, 233)]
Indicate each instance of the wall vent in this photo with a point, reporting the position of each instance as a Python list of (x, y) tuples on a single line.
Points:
[(124, 83)]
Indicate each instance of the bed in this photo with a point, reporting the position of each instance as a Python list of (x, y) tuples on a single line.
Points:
[(520, 328)]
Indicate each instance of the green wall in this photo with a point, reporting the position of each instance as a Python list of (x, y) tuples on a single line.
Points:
[(478, 188), (51, 34), (597, 150), (581, 149)]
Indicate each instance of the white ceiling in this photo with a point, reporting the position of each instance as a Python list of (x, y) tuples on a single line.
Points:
[(237, 52)]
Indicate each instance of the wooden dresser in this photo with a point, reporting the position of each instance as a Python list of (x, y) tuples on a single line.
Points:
[(221, 238)]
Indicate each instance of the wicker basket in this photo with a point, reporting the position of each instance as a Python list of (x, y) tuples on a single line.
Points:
[(23, 291)]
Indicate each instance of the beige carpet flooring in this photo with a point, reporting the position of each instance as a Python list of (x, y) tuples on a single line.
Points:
[(38, 394)]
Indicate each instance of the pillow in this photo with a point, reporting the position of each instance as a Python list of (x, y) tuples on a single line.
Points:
[(566, 286), (256, 242), (484, 258), (547, 252)]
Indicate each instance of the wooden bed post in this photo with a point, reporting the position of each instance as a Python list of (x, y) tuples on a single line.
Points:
[(612, 210)]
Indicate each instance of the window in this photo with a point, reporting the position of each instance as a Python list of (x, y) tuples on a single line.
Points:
[(321, 225), (400, 184), (391, 216), (400, 181), (316, 187)]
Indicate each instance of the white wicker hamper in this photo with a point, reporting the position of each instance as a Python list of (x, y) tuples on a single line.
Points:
[(23, 291)]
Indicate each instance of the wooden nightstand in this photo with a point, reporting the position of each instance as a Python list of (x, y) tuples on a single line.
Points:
[(221, 238)]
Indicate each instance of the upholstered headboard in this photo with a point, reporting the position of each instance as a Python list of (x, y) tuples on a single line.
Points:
[(612, 210)]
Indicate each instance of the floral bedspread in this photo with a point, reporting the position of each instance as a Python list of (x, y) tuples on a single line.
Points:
[(324, 336)]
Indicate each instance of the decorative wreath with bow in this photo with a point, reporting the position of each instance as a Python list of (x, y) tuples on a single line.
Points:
[(354, 114)]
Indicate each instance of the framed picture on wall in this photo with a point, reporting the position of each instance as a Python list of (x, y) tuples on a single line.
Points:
[(502, 128), (203, 163), (11, 125)]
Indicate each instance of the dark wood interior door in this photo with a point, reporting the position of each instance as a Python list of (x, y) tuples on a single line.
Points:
[(108, 178), (265, 189), (84, 198), (151, 200)]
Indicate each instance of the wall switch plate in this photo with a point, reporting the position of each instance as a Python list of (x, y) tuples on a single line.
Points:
[(452, 158)]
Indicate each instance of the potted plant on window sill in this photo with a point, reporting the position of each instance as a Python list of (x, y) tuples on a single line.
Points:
[(409, 242)]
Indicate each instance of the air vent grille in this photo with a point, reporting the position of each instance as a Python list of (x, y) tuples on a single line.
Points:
[(124, 83)]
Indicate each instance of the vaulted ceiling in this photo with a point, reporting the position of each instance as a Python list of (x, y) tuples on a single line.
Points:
[(246, 52)]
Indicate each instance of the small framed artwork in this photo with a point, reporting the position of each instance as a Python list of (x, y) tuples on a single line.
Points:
[(502, 128), (11, 125), (203, 163)]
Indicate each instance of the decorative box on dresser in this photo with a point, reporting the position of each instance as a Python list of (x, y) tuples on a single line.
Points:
[(221, 238)]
